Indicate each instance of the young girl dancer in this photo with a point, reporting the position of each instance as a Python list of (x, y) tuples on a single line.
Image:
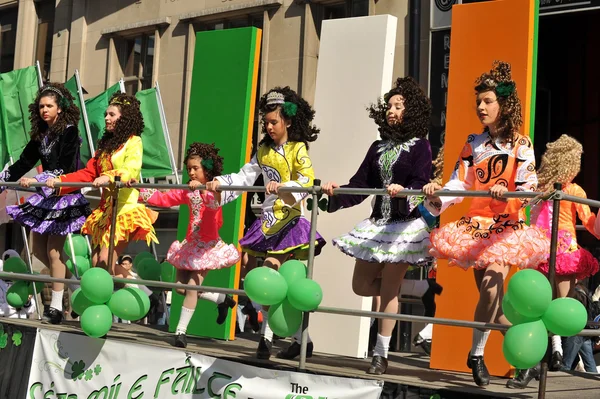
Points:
[(55, 141), (395, 236), (282, 158), (562, 163), (493, 235), (119, 153), (202, 250)]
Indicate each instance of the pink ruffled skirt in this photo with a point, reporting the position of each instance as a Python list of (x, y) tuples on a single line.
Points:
[(479, 242), (199, 255), (579, 262)]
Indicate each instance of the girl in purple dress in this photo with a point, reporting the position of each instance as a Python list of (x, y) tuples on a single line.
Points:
[(395, 236), (55, 142)]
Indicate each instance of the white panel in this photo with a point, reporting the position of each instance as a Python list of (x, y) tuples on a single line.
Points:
[(356, 60)]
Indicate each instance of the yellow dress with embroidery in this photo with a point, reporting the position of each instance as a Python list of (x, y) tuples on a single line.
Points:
[(134, 220), (282, 228)]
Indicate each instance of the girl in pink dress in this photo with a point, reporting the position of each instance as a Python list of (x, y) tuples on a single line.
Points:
[(202, 250)]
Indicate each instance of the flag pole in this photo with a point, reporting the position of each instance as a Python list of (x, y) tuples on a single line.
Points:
[(163, 120)]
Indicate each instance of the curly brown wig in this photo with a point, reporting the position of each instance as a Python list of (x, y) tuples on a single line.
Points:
[(206, 152), (131, 123), (499, 80), (416, 117), (69, 114), (302, 114)]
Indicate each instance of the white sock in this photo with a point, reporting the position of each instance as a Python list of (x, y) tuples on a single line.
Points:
[(298, 336), (73, 287), (427, 332), (265, 330), (479, 340), (382, 346), (212, 297), (416, 288), (557, 344), (146, 290), (184, 320), (57, 300)]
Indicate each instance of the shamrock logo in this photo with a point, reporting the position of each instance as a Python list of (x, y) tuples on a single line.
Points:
[(16, 338), (89, 374), (77, 370), (3, 340), (97, 369)]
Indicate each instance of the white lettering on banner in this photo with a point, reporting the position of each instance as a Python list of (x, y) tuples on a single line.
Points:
[(70, 366)]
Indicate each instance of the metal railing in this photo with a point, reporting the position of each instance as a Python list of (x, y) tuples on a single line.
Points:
[(315, 192)]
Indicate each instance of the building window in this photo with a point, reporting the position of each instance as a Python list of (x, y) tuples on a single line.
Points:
[(45, 29), (136, 56), (8, 34), (346, 9)]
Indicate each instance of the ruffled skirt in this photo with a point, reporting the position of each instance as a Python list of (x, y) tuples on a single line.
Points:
[(397, 242), (479, 242), (52, 215), (569, 260), (133, 225), (198, 255), (293, 239)]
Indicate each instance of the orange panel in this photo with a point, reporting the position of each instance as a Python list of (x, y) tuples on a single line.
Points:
[(481, 33)]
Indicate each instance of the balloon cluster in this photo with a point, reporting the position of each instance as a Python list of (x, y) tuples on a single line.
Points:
[(528, 305), (82, 255), (18, 293), (149, 268), (288, 293)]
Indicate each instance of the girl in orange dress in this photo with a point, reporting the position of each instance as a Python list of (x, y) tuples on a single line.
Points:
[(493, 235), (561, 163)]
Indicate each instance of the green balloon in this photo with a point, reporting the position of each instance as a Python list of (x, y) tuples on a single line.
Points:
[(511, 314), (83, 265), (167, 272), (18, 294), (265, 286), (39, 286), (79, 302), (97, 285), (530, 293), (284, 319), (80, 246), (565, 317), (140, 257), (149, 269), (525, 344), (305, 295), (96, 320), (129, 304), (15, 265), (293, 270)]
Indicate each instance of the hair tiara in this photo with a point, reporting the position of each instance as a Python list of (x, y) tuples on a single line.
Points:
[(275, 98), (53, 90)]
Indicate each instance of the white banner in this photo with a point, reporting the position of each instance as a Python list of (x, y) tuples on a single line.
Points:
[(70, 366)]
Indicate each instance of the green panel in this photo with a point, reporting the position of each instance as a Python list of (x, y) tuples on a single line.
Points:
[(221, 101), (156, 161), (84, 152), (18, 89)]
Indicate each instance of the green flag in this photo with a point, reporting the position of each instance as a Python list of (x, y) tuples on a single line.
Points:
[(156, 161), (17, 90), (85, 153)]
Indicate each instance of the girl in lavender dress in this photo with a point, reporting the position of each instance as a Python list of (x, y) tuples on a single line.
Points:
[(395, 236), (55, 142)]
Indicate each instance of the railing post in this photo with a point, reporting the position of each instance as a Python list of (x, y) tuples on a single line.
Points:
[(309, 267), (113, 221), (551, 272)]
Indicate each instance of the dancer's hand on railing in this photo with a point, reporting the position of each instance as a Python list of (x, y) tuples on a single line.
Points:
[(272, 187), (26, 181), (101, 181), (431, 188), (50, 182), (213, 185), (130, 182), (394, 189), (194, 185), (497, 191), (541, 197), (329, 187)]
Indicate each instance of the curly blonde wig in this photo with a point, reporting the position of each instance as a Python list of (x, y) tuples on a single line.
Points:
[(499, 80), (438, 167), (561, 162)]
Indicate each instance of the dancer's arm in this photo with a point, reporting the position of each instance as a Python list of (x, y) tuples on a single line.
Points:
[(245, 177), (24, 164), (588, 218), (161, 199)]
